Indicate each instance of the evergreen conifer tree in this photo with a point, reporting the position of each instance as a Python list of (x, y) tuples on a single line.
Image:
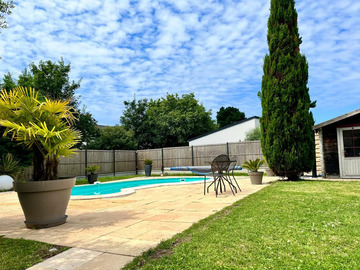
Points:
[(286, 123)]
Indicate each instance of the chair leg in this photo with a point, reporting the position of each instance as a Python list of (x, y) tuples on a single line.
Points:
[(235, 180), (212, 183), (232, 187), (204, 184), (228, 179), (217, 187)]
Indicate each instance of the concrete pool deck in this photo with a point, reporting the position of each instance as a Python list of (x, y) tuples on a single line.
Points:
[(108, 233)]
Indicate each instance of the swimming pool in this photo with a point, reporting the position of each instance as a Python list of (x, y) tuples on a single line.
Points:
[(113, 189)]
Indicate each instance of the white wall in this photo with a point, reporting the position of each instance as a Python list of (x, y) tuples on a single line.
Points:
[(234, 133)]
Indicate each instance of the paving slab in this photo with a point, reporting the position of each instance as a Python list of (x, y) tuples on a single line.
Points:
[(68, 260), (122, 227), (106, 261)]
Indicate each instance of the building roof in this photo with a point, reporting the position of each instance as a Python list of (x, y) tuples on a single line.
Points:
[(337, 119), (225, 127)]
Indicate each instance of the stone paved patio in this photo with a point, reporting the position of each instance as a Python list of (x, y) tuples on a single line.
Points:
[(108, 233)]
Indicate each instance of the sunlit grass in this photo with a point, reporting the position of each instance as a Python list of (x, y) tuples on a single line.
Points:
[(19, 254), (288, 225)]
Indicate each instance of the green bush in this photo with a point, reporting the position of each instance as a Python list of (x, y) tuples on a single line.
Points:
[(92, 169), (253, 135), (10, 166), (148, 161)]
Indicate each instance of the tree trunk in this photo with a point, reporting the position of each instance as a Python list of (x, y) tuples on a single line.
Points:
[(293, 177), (38, 162), (51, 171)]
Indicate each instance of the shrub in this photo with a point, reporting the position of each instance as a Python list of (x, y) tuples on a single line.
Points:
[(148, 161), (92, 169)]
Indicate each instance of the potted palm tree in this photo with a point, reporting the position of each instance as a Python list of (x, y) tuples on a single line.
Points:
[(92, 177), (253, 166), (44, 126), (148, 167)]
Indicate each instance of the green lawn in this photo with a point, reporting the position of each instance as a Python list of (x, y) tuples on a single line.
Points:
[(288, 225), (19, 254)]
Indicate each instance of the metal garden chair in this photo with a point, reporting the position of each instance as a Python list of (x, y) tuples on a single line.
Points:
[(219, 168)]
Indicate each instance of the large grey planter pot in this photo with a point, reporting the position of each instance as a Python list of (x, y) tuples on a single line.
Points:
[(256, 177), (269, 172), (148, 170), (44, 203)]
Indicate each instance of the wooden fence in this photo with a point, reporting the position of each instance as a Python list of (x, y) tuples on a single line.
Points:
[(198, 155), (129, 161), (109, 162)]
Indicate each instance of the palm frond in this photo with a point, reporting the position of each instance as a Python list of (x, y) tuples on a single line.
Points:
[(47, 124), (253, 165)]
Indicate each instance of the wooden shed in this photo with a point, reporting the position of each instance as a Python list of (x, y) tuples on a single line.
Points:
[(338, 146)]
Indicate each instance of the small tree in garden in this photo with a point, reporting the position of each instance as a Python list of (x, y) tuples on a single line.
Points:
[(52, 80), (229, 115), (253, 135), (286, 123), (43, 125)]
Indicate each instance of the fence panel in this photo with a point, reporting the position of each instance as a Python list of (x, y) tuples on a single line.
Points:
[(125, 160), (154, 154), (177, 156), (204, 154), (73, 166), (102, 158), (245, 151)]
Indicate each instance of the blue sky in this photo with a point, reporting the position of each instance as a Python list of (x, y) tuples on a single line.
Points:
[(215, 49)]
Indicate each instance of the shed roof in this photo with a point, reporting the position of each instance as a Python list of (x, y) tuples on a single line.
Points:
[(225, 127), (337, 119)]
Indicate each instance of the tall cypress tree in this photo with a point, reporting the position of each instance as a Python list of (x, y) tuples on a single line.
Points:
[(286, 123)]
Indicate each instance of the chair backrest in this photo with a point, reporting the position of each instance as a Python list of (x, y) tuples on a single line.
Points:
[(220, 163), (233, 161)]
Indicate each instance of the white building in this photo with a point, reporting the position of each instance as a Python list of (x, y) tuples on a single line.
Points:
[(232, 133)]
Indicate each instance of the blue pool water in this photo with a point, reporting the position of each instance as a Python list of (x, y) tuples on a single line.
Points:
[(109, 188)]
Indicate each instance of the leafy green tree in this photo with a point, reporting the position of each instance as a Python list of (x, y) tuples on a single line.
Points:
[(8, 82), (286, 123), (229, 115), (135, 118), (116, 137), (253, 135), (88, 127), (5, 9), (177, 119), (166, 122), (52, 80), (26, 79)]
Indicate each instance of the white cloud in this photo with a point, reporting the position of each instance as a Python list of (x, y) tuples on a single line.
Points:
[(215, 49)]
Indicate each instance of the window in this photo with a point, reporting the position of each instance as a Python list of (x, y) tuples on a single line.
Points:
[(351, 143)]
